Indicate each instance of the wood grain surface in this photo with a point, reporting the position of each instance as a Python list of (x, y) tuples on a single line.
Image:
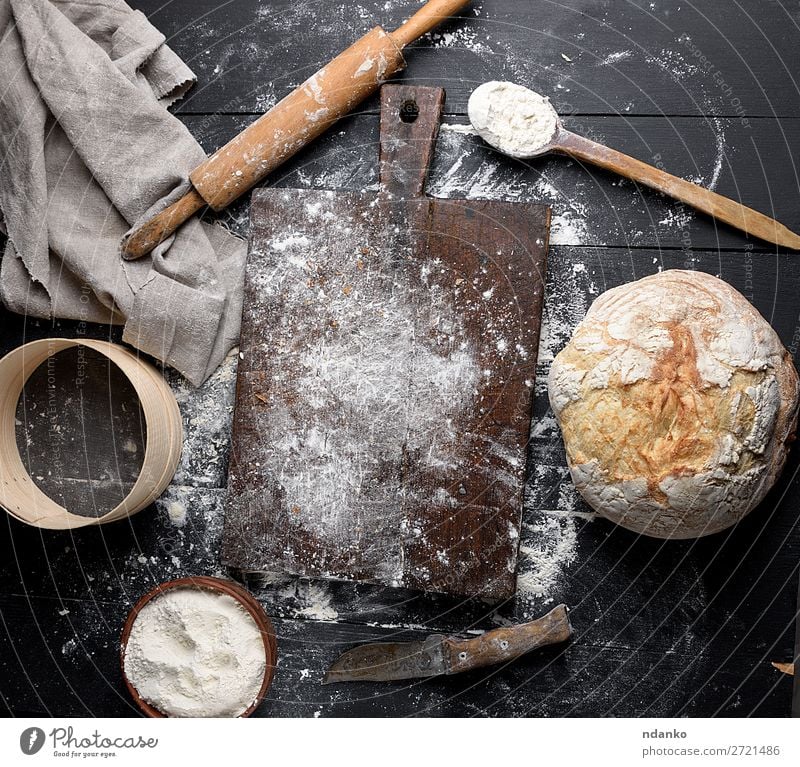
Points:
[(679, 629)]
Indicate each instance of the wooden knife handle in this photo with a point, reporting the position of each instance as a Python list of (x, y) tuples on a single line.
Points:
[(506, 644), (723, 208)]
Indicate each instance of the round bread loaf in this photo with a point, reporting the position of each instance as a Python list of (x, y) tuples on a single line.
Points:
[(677, 401)]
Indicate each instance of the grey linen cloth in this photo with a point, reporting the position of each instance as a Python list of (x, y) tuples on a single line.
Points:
[(87, 149)]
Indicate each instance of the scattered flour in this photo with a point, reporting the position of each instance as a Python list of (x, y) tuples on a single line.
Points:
[(614, 58), (566, 303), (567, 228), (464, 37), (719, 137), (568, 225), (454, 175), (177, 513), (679, 218), (290, 240), (314, 598), (368, 365), (464, 129), (549, 546), (674, 64)]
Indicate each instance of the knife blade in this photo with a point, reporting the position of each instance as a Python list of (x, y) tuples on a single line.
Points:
[(439, 654)]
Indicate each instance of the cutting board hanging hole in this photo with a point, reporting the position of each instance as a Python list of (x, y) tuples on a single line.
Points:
[(409, 111), (407, 144)]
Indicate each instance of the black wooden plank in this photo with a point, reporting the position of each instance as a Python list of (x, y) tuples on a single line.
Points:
[(663, 629), (796, 699), (726, 600), (754, 165), (592, 56), (75, 671), (647, 600), (118, 561)]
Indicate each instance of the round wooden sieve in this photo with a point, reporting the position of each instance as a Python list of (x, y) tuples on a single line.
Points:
[(19, 494), (248, 602)]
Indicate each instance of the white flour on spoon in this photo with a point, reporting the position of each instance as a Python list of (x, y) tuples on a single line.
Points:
[(512, 118)]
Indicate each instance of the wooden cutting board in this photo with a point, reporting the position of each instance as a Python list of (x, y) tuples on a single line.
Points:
[(388, 354)]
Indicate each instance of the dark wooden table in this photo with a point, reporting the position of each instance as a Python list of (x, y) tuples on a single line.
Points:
[(682, 628)]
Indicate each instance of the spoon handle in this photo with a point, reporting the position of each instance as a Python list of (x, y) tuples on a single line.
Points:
[(723, 208)]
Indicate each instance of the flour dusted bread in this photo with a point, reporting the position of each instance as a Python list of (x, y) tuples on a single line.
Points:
[(677, 402)]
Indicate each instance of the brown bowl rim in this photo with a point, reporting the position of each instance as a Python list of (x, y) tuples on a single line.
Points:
[(220, 585)]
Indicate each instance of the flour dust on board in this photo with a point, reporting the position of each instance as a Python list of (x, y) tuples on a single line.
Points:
[(354, 410), (384, 393)]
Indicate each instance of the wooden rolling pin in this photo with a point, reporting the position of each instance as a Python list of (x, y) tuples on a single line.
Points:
[(291, 124)]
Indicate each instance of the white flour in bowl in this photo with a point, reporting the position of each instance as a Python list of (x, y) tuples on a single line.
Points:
[(512, 118), (196, 653)]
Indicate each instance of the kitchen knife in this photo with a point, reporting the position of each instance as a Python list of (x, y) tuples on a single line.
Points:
[(439, 654)]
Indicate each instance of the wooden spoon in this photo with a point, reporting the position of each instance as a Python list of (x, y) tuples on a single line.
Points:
[(523, 124)]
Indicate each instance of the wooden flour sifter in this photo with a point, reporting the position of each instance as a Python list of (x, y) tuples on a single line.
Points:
[(291, 124)]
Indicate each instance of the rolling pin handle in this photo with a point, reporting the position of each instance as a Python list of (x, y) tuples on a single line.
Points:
[(345, 80), (139, 242), (425, 19)]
